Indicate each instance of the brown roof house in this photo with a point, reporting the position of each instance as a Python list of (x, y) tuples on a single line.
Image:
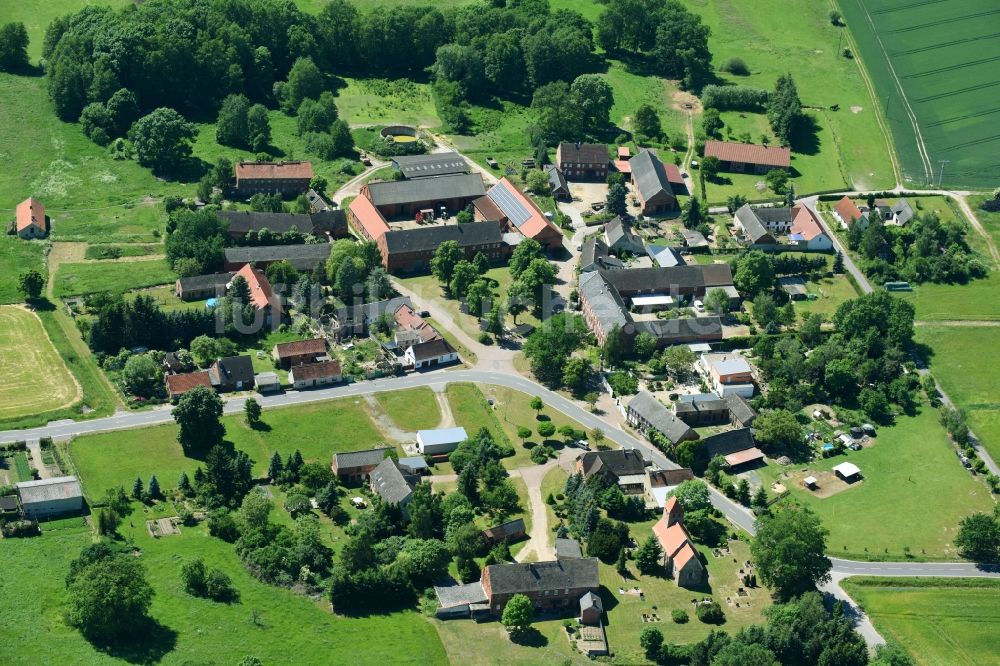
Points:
[(266, 303), (556, 585), (623, 467), (355, 466), (288, 354), (178, 385), (583, 161), (312, 375), (644, 412), (30, 220), (517, 213), (272, 177), (679, 555), (200, 287), (510, 531), (740, 157)]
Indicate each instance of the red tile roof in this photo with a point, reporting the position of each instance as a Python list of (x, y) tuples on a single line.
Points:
[(299, 347), (368, 216), (30, 212), (848, 210), (671, 538), (178, 384), (537, 222), (319, 370), (673, 173), (805, 223), (744, 456), (407, 319), (683, 556), (749, 153), (672, 506), (260, 290), (624, 152), (623, 166), (274, 170)]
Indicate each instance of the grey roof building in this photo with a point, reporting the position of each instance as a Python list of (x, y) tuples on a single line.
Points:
[(241, 222), (612, 464), (427, 239), (678, 331), (741, 414), (304, 257), (602, 304), (650, 179), (753, 229), (202, 286), (568, 549), (558, 185), (48, 498), (390, 483), (594, 255), (665, 257), (537, 578), (619, 236), (233, 373), (444, 188), (728, 442), (430, 165), (694, 240), (644, 411)]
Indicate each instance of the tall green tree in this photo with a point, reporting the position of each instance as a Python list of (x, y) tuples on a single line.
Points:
[(162, 140), (232, 127), (646, 122), (199, 415), (978, 538), (784, 109), (446, 258), (595, 98), (31, 284), (13, 47), (790, 550), (305, 81), (110, 597), (258, 128), (517, 614)]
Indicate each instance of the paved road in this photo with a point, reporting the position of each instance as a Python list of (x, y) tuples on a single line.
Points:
[(866, 286)]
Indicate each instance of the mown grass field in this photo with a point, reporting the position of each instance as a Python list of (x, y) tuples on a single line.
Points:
[(35, 379), (942, 56), (413, 409), (16, 258), (117, 277), (192, 630), (876, 518), (318, 430), (941, 622), (957, 363)]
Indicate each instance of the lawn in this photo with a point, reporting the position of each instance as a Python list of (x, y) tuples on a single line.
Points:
[(114, 251), (33, 600), (118, 277), (468, 642), (318, 430), (957, 364), (909, 463), (17, 257), (413, 409), (919, 62), (35, 379), (382, 101), (974, 301), (22, 466), (831, 292), (941, 622)]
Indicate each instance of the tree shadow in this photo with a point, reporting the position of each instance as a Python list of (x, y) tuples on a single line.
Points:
[(530, 637), (805, 138), (260, 426), (147, 643)]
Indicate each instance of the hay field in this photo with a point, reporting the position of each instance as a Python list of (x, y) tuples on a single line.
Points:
[(35, 379), (934, 69)]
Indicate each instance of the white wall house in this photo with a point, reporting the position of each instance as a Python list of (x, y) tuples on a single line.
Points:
[(440, 441)]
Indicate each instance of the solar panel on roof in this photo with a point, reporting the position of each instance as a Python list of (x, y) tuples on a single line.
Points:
[(509, 204)]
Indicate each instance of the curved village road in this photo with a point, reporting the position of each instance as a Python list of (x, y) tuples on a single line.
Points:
[(735, 513)]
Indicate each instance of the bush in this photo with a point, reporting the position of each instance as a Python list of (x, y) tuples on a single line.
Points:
[(711, 613), (679, 616), (735, 66), (221, 524), (734, 98)]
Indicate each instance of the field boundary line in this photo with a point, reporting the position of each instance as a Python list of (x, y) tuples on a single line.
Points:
[(918, 135), (883, 124)]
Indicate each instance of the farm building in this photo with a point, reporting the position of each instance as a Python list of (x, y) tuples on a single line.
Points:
[(49, 498), (649, 178), (284, 178), (740, 157), (512, 530), (430, 165), (233, 373), (288, 354), (794, 286), (623, 467), (847, 212), (568, 549), (411, 250), (178, 385), (847, 471), (200, 287), (663, 256), (365, 219), (302, 257), (241, 223), (644, 412), (262, 298), (414, 465), (619, 236), (583, 161), (405, 198), (30, 220), (440, 441), (556, 585), (312, 375), (509, 206), (354, 466)]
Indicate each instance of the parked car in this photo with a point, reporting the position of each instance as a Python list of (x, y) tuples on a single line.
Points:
[(699, 306), (583, 445)]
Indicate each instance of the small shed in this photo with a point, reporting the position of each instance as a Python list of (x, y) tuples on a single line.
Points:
[(441, 440), (810, 482), (591, 608), (267, 382), (48, 498), (847, 471), (568, 549), (414, 465)]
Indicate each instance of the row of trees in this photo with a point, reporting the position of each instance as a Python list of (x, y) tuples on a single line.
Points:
[(140, 322)]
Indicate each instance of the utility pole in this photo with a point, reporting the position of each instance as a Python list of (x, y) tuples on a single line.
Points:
[(941, 171)]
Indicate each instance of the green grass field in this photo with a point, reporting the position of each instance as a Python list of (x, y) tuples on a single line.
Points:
[(413, 409), (113, 251), (17, 257), (957, 364), (118, 277), (33, 600), (941, 622), (935, 63), (878, 517), (35, 380), (22, 467), (318, 430)]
